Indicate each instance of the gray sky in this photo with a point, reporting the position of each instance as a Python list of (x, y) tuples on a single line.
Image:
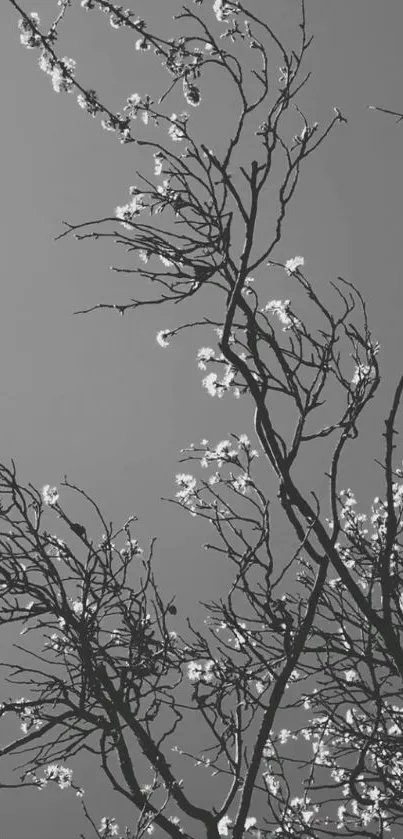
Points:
[(94, 396)]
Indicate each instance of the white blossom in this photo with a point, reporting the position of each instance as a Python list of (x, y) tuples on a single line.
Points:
[(132, 106), (88, 102), (272, 783), (224, 452), (228, 377), (222, 10), (292, 265), (162, 337), (28, 37), (248, 282), (204, 355), (201, 671), (50, 495), (360, 374), (115, 22), (109, 827), (397, 495), (240, 639), (127, 212), (158, 164), (175, 131), (187, 484), (242, 483), (340, 816), (338, 775), (165, 261), (62, 75), (284, 735), (46, 62), (281, 308), (61, 774), (351, 676), (223, 825), (143, 45), (195, 669), (210, 383), (108, 124), (28, 716)]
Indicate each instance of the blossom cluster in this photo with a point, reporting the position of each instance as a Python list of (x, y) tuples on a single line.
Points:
[(28, 37), (281, 308), (361, 374), (201, 671), (128, 212), (187, 484), (131, 549), (28, 715), (225, 822), (61, 72), (223, 10), (237, 453), (61, 775), (177, 128), (59, 644), (162, 337), (108, 827), (226, 452), (217, 387), (50, 495), (135, 104), (88, 102), (292, 265), (352, 521), (331, 740)]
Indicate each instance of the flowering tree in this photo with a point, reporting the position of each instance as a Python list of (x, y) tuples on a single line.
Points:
[(296, 681)]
